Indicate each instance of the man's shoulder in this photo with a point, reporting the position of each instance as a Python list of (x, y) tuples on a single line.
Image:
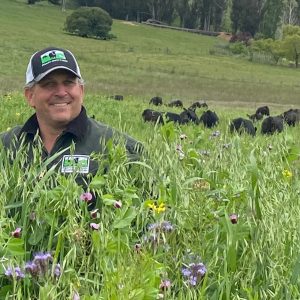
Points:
[(106, 132), (8, 136)]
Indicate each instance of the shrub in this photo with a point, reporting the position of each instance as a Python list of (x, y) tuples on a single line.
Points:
[(238, 48), (89, 22)]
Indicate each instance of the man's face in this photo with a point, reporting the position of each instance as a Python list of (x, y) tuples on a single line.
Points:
[(57, 98)]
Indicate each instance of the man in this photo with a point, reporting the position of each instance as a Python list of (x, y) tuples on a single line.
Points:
[(54, 89)]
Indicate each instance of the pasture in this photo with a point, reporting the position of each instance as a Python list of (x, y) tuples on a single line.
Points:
[(205, 214)]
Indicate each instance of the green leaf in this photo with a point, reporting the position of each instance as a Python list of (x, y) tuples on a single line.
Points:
[(15, 247), (126, 220), (97, 182)]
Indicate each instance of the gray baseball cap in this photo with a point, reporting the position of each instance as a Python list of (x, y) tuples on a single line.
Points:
[(49, 59)]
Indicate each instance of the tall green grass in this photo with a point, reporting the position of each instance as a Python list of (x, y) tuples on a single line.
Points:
[(210, 179), (143, 61)]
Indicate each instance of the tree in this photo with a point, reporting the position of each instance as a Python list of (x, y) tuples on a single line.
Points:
[(245, 15), (291, 48), (89, 22), (271, 17)]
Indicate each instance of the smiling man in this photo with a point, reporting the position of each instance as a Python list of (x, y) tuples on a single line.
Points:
[(55, 90)]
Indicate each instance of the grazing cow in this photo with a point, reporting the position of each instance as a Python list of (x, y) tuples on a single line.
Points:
[(189, 115), (150, 115), (292, 116), (172, 117), (156, 101), (209, 118), (198, 104), (241, 125), (255, 117), (264, 110), (117, 97), (272, 124), (175, 103)]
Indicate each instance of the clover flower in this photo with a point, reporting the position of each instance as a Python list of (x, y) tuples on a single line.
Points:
[(193, 273), (94, 213), (17, 233), (14, 273), (86, 197), (95, 226), (118, 204), (233, 218)]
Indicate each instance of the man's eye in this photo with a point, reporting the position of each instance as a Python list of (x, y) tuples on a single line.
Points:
[(70, 82), (48, 84)]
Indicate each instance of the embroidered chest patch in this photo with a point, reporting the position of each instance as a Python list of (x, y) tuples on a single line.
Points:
[(75, 163)]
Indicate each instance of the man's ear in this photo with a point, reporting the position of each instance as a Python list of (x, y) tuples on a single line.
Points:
[(28, 93)]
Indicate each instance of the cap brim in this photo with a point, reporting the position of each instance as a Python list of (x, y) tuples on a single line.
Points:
[(41, 76)]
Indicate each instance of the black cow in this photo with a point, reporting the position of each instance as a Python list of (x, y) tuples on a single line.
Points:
[(117, 97), (189, 115), (241, 125), (172, 117), (209, 118), (175, 103), (272, 124), (156, 101), (255, 117), (292, 116), (198, 104), (264, 110), (150, 115)]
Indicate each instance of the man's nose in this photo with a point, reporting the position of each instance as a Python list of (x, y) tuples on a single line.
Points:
[(61, 90)]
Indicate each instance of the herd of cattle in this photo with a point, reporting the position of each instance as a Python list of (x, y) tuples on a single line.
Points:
[(269, 125)]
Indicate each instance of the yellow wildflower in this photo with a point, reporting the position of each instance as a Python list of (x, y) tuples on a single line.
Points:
[(287, 173), (157, 208), (18, 114)]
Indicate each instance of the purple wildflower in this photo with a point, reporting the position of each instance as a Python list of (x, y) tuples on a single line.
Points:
[(194, 273), (164, 226), (165, 284), (86, 197), (57, 271), (14, 273), (42, 261), (32, 268)]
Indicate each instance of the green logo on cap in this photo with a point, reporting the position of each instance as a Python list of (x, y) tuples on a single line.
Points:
[(52, 55)]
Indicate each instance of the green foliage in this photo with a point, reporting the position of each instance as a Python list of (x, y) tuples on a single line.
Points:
[(290, 30), (268, 46), (89, 22), (238, 48)]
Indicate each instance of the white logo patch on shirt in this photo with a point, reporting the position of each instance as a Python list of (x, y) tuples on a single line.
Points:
[(75, 163)]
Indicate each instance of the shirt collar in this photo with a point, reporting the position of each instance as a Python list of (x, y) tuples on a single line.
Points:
[(77, 127)]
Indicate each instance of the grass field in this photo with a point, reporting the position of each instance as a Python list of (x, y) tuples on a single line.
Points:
[(143, 61)]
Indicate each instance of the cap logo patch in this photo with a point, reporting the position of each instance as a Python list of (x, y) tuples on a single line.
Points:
[(51, 56)]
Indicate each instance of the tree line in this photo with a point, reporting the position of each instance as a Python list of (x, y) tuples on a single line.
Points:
[(265, 18)]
